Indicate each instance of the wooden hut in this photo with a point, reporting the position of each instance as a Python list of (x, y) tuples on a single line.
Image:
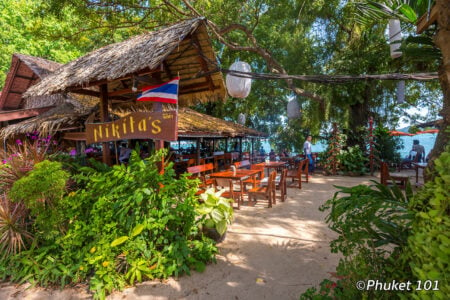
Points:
[(116, 73)]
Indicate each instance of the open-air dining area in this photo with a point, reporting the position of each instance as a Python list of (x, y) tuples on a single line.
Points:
[(224, 149)]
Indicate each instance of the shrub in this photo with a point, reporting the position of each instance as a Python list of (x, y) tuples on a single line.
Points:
[(387, 147), (128, 224), (42, 190), (353, 161), (429, 243)]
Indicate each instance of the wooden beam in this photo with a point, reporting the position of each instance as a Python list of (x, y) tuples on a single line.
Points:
[(15, 92), (425, 21), (75, 136), (84, 92), (202, 61), (104, 117), (128, 76), (23, 113), (25, 77), (120, 92)]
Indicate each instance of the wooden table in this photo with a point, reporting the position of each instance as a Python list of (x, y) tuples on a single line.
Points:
[(418, 166), (273, 165), (240, 175)]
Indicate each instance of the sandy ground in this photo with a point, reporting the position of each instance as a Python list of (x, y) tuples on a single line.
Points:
[(268, 254)]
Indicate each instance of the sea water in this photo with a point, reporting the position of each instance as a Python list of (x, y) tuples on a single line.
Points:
[(427, 140)]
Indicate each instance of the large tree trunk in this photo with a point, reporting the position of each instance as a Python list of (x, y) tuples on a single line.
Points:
[(442, 41), (358, 119)]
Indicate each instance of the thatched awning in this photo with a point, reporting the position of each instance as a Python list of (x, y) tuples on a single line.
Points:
[(183, 49), (63, 117)]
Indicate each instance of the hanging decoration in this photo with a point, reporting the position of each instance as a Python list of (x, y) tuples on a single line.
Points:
[(401, 92), (241, 119), (395, 37), (293, 109), (239, 87)]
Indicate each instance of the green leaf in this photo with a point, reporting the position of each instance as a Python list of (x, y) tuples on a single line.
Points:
[(221, 227), (408, 12), (137, 230), (119, 241)]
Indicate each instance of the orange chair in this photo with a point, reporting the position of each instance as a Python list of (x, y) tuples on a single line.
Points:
[(227, 185), (389, 179), (265, 192), (296, 174)]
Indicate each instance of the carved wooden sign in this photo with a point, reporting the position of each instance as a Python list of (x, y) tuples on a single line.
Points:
[(136, 125)]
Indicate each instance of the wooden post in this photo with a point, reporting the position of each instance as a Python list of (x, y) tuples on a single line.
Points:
[(371, 144), (104, 117), (198, 151), (159, 144), (240, 148)]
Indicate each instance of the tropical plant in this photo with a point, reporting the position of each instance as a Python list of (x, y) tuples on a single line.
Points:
[(19, 159), (373, 223), (353, 161), (369, 217), (14, 234), (124, 224), (215, 211), (427, 251), (387, 147)]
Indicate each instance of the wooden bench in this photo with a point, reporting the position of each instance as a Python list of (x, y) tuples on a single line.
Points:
[(200, 172)]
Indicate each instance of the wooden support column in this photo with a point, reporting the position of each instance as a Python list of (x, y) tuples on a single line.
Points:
[(104, 117), (159, 144), (198, 151), (240, 148)]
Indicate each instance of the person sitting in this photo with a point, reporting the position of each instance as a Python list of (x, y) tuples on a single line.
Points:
[(272, 155), (125, 153), (417, 154)]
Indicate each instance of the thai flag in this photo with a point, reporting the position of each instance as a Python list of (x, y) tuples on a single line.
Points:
[(165, 92)]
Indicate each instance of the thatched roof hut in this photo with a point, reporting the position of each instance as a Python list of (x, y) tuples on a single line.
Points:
[(183, 49)]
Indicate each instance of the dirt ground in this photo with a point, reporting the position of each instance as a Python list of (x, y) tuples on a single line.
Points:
[(268, 254)]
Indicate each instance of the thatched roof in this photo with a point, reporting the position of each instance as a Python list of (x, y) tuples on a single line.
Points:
[(63, 116), (194, 124), (25, 71), (183, 49)]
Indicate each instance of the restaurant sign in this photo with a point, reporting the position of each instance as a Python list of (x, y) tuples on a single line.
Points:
[(136, 125)]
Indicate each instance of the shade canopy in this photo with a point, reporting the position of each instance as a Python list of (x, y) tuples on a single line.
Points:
[(399, 133), (428, 131)]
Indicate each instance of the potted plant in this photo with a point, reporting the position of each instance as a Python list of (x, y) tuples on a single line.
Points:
[(216, 214)]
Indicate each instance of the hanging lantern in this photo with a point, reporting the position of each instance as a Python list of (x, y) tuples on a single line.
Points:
[(241, 119), (293, 109), (395, 37), (239, 87), (401, 92)]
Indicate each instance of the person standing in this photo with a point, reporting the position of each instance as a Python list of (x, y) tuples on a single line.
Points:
[(307, 149), (420, 151)]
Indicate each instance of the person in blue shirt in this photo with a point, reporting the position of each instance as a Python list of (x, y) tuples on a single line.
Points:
[(307, 150)]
